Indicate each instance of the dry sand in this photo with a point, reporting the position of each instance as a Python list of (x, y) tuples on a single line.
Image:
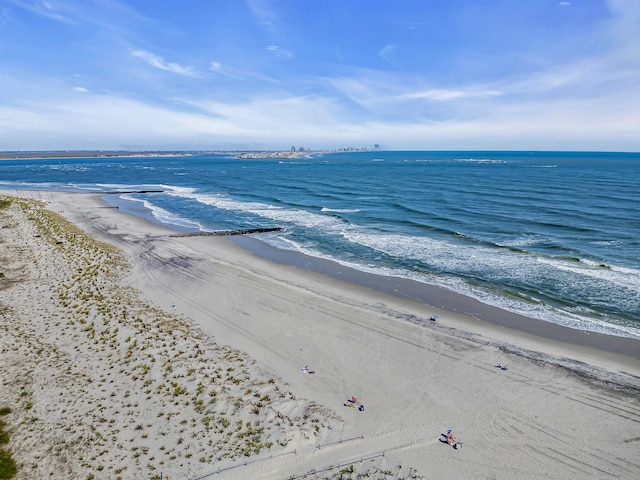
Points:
[(131, 353)]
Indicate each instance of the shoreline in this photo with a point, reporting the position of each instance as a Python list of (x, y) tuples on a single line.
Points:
[(559, 409), (464, 316), (435, 299), (439, 300), (468, 313)]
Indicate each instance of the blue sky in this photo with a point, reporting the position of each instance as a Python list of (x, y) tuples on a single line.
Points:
[(269, 74)]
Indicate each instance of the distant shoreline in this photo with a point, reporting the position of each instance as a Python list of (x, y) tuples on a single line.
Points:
[(241, 154), (92, 154), (244, 155)]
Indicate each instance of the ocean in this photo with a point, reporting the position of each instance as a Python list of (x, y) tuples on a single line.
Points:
[(550, 235)]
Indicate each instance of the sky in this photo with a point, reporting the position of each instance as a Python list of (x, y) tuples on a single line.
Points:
[(320, 74)]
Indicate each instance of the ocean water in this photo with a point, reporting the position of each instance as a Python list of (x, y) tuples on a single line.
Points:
[(553, 236)]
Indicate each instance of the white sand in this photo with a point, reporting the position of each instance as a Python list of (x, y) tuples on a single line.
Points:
[(102, 405)]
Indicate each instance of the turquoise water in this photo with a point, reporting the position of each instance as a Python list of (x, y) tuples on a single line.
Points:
[(554, 236)]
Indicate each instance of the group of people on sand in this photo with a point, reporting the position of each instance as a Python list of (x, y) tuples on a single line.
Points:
[(353, 402)]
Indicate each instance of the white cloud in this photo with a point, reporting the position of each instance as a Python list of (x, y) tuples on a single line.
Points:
[(217, 67), (624, 28), (386, 95), (80, 89), (387, 52), (367, 88), (81, 12), (264, 13), (5, 16), (444, 94), (279, 52), (260, 114), (43, 9), (599, 124), (159, 62)]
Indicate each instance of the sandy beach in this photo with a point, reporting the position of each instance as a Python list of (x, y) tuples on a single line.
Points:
[(130, 352)]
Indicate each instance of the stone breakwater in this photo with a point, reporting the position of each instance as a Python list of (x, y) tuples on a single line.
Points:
[(227, 233)]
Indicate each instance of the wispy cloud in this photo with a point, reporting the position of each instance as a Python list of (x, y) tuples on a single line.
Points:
[(365, 91), (112, 17), (317, 122), (265, 14), (5, 17), (51, 10), (387, 52), (162, 64), (623, 32), (218, 68), (444, 94), (385, 93), (279, 52)]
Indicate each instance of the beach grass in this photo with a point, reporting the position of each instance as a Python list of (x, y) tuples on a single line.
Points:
[(114, 357), (8, 467)]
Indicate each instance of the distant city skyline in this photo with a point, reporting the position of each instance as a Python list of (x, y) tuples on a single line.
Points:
[(268, 74)]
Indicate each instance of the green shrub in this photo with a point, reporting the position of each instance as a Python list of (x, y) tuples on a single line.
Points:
[(8, 467)]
